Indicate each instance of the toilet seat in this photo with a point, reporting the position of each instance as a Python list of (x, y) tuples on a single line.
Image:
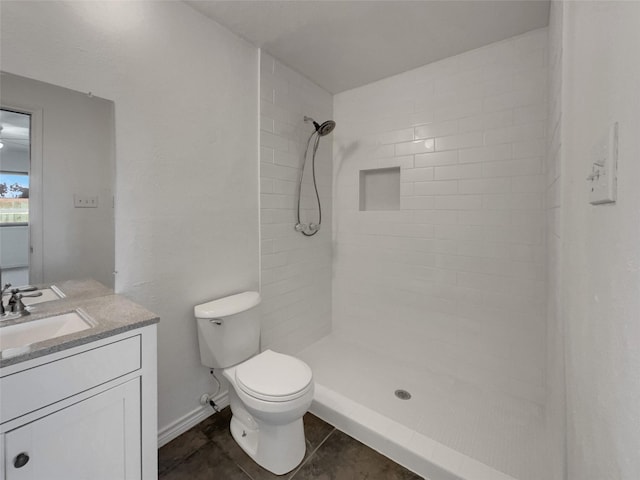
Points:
[(274, 377)]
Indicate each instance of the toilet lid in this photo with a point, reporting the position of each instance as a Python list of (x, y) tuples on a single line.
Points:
[(274, 376)]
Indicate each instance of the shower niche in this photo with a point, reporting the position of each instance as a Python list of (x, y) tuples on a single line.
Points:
[(380, 189)]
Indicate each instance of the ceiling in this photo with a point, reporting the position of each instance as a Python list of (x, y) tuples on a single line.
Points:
[(345, 44)]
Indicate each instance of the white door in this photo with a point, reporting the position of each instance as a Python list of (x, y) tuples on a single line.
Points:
[(96, 439)]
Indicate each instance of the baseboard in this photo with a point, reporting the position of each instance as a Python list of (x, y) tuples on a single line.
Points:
[(191, 419)]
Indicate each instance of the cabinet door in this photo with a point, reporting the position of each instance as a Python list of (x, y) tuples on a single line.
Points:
[(95, 439)]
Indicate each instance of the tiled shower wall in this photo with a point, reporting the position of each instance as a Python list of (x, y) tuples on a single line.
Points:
[(295, 270), (453, 280)]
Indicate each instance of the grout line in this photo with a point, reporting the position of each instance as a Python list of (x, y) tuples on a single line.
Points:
[(182, 460), (244, 471), (295, 472)]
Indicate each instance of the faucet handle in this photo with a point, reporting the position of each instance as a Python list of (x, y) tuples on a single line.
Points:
[(24, 288), (15, 303)]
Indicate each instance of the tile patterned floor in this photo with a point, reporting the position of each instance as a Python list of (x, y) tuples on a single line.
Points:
[(208, 451)]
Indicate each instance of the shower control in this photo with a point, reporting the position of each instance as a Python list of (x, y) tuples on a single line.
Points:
[(321, 130)]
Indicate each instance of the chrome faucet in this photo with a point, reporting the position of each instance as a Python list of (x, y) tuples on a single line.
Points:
[(15, 304)]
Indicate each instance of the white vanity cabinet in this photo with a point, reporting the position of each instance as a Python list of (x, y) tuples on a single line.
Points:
[(86, 413)]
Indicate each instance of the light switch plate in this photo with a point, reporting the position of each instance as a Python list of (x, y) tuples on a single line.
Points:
[(604, 167), (85, 201)]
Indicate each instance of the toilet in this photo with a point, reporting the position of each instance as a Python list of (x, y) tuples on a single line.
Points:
[(269, 391)]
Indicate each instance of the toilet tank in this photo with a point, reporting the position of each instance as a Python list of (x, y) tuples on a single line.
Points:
[(228, 329)]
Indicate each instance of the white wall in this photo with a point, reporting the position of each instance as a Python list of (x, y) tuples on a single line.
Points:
[(456, 276), (296, 270), (185, 93), (555, 384), (601, 245)]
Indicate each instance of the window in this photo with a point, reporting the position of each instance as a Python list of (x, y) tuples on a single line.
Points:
[(14, 198)]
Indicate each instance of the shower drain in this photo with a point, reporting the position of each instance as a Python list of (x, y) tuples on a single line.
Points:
[(402, 394)]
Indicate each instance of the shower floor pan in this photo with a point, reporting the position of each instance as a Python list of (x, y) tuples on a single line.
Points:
[(447, 430)]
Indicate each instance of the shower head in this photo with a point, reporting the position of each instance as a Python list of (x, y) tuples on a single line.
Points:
[(323, 129)]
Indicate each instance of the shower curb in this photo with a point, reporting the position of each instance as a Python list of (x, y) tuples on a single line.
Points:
[(412, 450)]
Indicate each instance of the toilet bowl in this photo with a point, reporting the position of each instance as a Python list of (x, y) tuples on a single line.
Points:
[(269, 392)]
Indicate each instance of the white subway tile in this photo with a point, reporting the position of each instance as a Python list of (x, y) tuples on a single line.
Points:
[(457, 202), (278, 171), (266, 154), (266, 124), (485, 185), (451, 172), (446, 187), (436, 158), (276, 201), (274, 141), (436, 217), (459, 232), (285, 187), (405, 161), (420, 117), (406, 189), (484, 217), (518, 98), (419, 146), (486, 121), (382, 151), (512, 201), (416, 203), (512, 168), (496, 83), (483, 249), (417, 174), (396, 136), (528, 184), (266, 91), (457, 110), (266, 64), (530, 114), (513, 234), (485, 154), (266, 185), (436, 129), (529, 148), (465, 140), (515, 133)]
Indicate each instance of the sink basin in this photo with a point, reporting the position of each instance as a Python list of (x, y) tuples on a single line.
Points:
[(23, 334)]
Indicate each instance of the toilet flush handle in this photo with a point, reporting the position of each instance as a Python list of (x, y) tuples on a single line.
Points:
[(216, 321)]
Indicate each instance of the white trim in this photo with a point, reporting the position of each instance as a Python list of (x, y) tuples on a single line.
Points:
[(191, 419)]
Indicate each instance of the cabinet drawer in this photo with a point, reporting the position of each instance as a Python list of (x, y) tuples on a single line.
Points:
[(29, 390)]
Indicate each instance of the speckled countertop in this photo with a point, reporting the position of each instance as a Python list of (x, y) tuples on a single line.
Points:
[(111, 313)]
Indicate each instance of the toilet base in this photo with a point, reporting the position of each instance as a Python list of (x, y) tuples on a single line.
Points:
[(277, 448)]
